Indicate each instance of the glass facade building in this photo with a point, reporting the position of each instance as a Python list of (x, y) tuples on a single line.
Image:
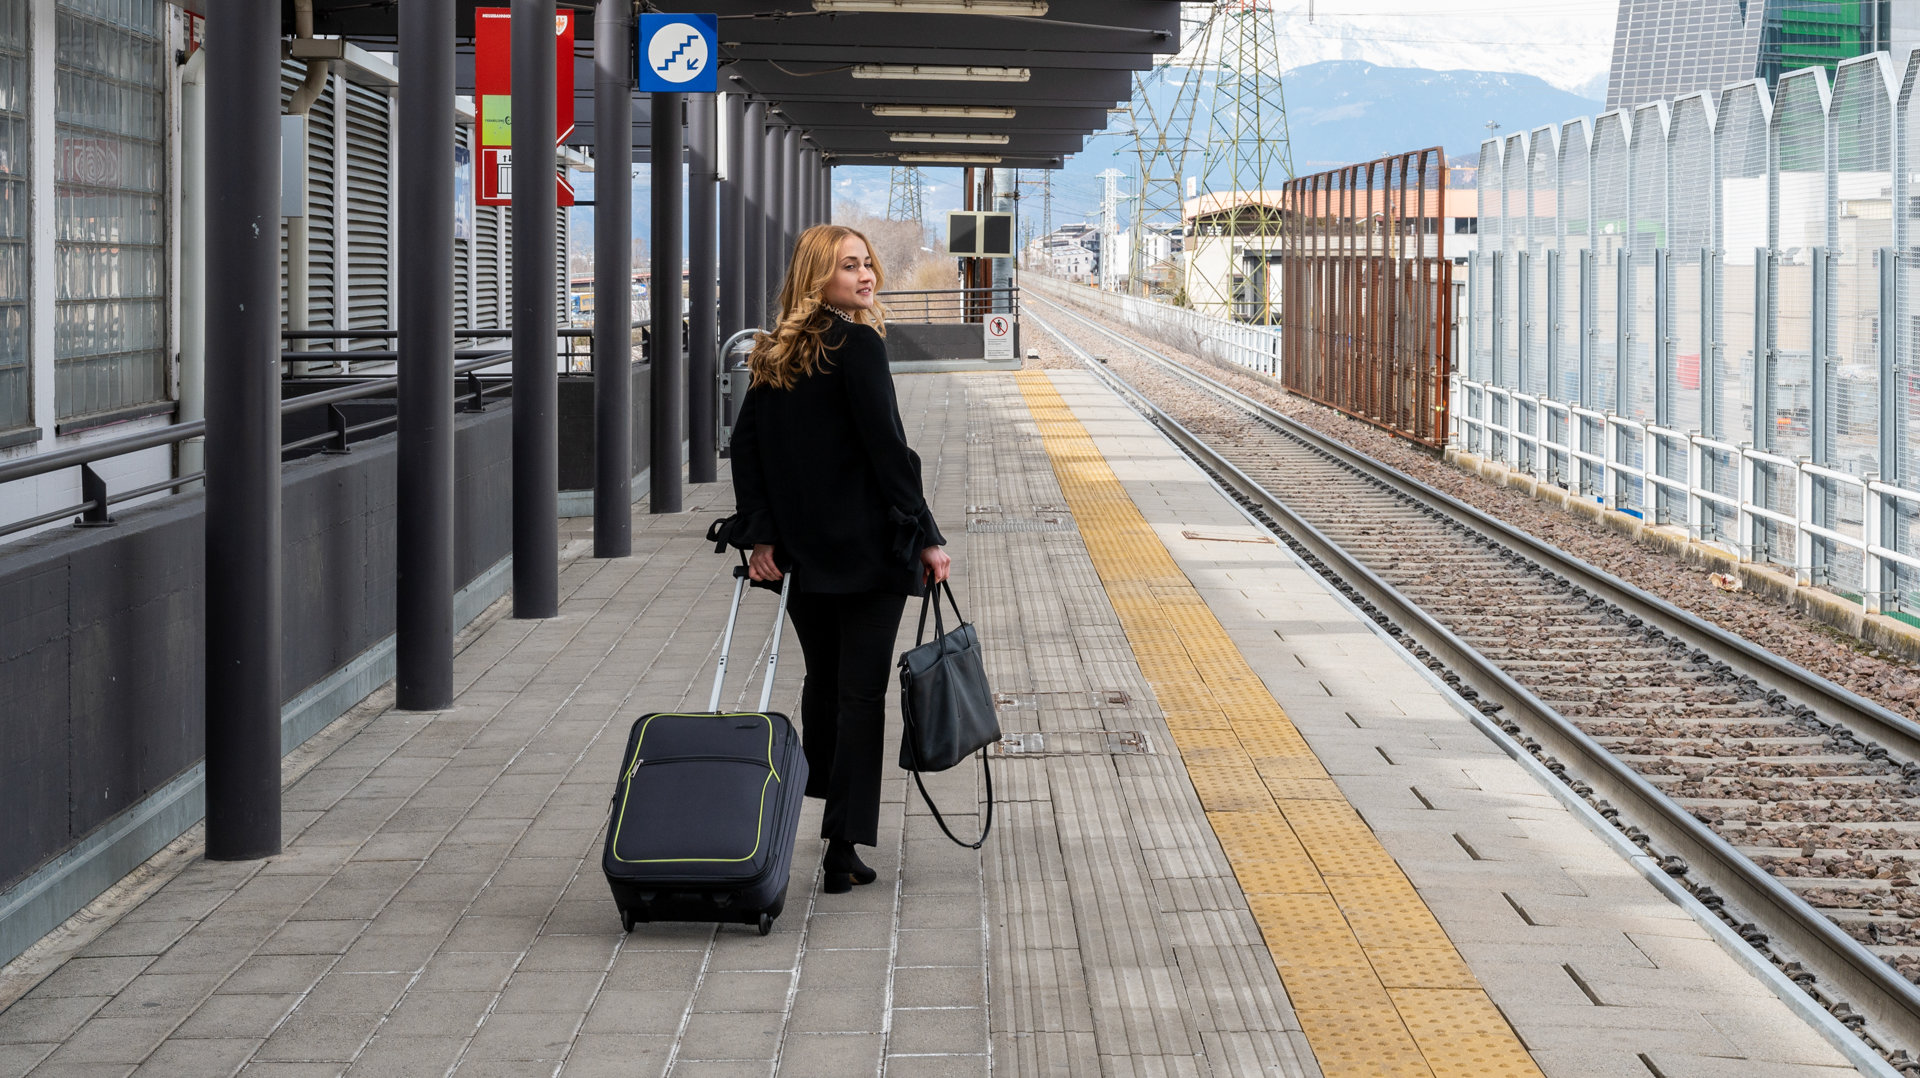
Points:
[(1666, 49)]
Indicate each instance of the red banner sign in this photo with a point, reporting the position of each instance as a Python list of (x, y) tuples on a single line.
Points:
[(493, 99)]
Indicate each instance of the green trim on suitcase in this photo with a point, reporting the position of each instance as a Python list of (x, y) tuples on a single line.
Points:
[(633, 765)]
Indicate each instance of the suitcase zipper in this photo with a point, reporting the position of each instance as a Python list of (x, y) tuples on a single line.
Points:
[(759, 761)]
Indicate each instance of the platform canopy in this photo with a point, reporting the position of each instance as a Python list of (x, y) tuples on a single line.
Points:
[(855, 75)]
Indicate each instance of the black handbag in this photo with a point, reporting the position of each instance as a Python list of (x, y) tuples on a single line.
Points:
[(947, 705)]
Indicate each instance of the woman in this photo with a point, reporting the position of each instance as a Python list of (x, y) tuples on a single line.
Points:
[(826, 486)]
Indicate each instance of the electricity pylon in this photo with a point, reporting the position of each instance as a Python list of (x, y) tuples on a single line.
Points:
[(1162, 135), (1248, 151), (903, 196)]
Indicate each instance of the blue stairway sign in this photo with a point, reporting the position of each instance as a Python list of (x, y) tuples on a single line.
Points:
[(679, 54)]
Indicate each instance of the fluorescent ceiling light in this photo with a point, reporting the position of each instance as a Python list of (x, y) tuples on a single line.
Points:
[(950, 158), (1022, 8), (948, 136), (940, 73), (956, 112)]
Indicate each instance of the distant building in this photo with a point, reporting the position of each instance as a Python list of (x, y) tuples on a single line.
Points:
[(1234, 240), (1070, 251), (1663, 49)]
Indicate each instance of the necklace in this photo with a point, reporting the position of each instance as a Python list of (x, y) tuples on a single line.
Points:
[(844, 316)]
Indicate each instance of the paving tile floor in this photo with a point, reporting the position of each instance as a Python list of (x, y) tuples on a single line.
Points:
[(439, 907), (1597, 971)]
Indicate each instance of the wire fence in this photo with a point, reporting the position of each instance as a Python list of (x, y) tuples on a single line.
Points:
[(1706, 313)]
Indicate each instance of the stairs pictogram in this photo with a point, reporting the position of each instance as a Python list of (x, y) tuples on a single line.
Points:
[(675, 55)]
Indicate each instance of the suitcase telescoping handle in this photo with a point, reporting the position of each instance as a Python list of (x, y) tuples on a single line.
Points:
[(726, 639)]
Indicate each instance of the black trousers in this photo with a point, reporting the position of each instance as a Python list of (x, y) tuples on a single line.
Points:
[(848, 644)]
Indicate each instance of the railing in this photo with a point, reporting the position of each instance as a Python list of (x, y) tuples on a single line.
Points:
[(949, 306), (1256, 348), (94, 508), (1542, 437)]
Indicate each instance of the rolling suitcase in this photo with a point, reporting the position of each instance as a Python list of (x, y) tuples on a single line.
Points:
[(707, 805)]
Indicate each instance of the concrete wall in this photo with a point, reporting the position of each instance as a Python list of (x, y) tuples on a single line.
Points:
[(102, 657), (576, 428)]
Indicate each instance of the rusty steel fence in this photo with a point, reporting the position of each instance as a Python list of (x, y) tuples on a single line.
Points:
[(1367, 292)]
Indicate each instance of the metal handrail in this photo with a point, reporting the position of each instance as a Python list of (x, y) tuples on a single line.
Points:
[(82, 456)]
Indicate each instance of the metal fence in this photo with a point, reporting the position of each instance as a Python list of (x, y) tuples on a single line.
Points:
[(1706, 313), (1256, 348), (1368, 292), (948, 306)]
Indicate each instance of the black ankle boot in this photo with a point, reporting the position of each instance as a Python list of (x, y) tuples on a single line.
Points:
[(843, 868)]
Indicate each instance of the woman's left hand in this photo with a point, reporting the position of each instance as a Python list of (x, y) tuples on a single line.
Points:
[(936, 562)]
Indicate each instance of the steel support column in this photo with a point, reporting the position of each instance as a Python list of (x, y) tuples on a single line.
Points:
[(789, 192), (703, 175), (669, 383), (612, 282), (753, 215), (772, 177), (536, 384), (423, 579), (826, 192), (732, 194), (243, 587)]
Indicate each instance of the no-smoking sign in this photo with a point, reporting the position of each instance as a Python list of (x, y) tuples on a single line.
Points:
[(999, 329)]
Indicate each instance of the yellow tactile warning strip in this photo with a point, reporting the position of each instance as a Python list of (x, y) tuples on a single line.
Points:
[(1378, 986)]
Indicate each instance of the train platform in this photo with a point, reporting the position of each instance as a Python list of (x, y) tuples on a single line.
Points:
[(1238, 833)]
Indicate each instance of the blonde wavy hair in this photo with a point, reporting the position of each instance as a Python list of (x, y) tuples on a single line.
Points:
[(797, 346)]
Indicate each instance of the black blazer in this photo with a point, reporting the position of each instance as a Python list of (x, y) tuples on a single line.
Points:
[(823, 472)]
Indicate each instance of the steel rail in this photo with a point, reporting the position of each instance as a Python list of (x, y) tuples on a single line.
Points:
[(1847, 971)]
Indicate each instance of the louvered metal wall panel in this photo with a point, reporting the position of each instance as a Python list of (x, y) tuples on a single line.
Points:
[(562, 292), (488, 283), (369, 205), (463, 248), (321, 290)]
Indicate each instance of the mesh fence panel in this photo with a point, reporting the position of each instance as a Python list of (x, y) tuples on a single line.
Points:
[(1693, 235), (1800, 159), (1514, 218), (1543, 243), (1611, 165), (1903, 527), (1863, 163), (1576, 239), (1647, 233), (1740, 140), (1480, 359)]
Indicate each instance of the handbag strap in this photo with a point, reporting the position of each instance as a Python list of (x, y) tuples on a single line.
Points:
[(939, 627), (986, 773)]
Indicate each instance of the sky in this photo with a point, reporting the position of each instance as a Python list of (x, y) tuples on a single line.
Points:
[(1567, 43)]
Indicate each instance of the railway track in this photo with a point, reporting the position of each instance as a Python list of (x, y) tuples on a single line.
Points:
[(1785, 803)]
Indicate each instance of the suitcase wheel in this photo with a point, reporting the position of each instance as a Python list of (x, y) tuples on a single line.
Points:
[(766, 923), (626, 920)]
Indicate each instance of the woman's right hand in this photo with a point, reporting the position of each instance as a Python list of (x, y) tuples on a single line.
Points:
[(760, 563)]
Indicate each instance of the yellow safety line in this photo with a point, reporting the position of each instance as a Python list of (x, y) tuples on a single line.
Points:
[(1378, 986)]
